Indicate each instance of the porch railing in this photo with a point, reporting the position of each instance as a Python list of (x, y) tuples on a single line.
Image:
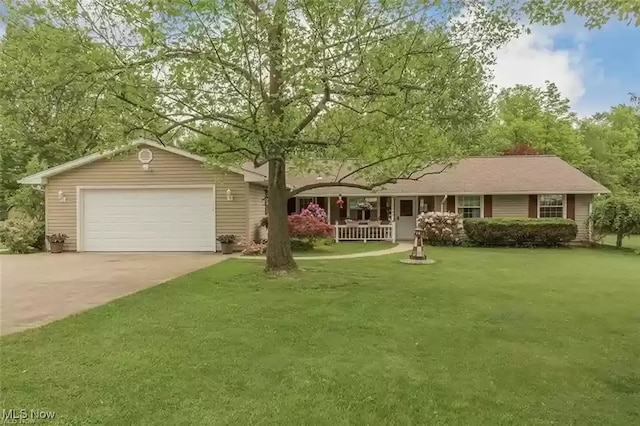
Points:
[(365, 232)]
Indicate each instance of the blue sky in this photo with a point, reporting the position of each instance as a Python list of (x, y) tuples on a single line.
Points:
[(595, 69)]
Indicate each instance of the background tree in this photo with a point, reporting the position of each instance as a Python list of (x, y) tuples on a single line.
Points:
[(52, 107), (614, 140), (618, 214), (540, 119)]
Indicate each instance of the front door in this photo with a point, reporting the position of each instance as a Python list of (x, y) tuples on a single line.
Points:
[(406, 218)]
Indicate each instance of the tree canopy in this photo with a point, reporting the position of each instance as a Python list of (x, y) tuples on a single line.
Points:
[(389, 87)]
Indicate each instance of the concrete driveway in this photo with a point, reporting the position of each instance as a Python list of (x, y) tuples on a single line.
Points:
[(36, 289)]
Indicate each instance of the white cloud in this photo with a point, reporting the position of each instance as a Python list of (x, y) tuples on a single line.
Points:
[(534, 58)]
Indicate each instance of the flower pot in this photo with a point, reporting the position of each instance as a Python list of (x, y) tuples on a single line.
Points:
[(227, 248), (56, 247)]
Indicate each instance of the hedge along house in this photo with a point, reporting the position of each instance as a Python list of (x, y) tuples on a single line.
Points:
[(534, 186), (150, 197)]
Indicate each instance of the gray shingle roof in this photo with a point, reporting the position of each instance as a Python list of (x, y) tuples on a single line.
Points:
[(518, 174)]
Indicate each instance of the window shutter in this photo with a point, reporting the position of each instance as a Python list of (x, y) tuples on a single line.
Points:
[(533, 206), (488, 206), (451, 203), (384, 212), (571, 206)]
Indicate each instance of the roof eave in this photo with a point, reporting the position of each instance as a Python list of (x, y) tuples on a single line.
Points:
[(40, 178)]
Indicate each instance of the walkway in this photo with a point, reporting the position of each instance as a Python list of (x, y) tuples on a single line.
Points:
[(400, 248)]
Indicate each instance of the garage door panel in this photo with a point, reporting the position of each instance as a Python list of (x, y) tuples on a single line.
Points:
[(148, 220)]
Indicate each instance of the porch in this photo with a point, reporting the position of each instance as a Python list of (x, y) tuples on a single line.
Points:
[(379, 218)]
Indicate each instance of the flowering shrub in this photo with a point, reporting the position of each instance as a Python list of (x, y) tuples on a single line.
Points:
[(22, 236), (314, 209), (306, 226), (440, 228), (253, 248)]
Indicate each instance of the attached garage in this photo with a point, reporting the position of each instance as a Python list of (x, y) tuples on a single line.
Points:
[(149, 197), (147, 219)]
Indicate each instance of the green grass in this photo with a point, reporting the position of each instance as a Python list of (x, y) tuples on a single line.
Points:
[(346, 247), (633, 241), (484, 336)]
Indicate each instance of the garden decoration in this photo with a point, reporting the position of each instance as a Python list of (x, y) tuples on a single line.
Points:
[(227, 241), (56, 242), (418, 255)]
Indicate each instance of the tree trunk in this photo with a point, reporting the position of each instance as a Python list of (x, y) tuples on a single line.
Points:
[(279, 256), (619, 238)]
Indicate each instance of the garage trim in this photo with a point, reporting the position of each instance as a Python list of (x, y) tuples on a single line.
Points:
[(80, 199)]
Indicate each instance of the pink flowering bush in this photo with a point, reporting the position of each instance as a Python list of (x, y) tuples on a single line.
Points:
[(314, 209), (440, 228), (304, 229), (253, 248), (308, 227)]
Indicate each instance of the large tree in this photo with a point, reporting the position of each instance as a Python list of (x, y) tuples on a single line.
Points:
[(390, 86)]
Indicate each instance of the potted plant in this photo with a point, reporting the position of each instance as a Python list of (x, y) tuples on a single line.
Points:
[(227, 242), (56, 242)]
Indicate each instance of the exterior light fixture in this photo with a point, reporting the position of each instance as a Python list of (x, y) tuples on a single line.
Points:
[(61, 196), (229, 195)]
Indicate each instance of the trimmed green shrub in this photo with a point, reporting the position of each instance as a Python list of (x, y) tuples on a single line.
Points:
[(520, 232), (301, 244), (22, 236)]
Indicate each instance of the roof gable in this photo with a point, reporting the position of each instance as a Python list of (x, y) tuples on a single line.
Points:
[(40, 178)]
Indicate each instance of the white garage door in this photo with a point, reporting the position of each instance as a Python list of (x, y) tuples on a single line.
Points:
[(148, 220)]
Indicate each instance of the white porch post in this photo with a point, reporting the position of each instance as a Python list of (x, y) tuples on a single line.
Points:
[(393, 231), (336, 229), (393, 209), (328, 209)]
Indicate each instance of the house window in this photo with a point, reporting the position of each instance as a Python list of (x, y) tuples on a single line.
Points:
[(551, 205), (363, 208), (469, 206)]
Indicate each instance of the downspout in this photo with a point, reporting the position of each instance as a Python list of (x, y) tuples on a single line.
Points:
[(444, 200)]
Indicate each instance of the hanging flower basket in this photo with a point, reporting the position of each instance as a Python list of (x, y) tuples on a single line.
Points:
[(365, 206)]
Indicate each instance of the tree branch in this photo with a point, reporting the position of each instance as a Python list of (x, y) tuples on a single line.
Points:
[(314, 111), (366, 187)]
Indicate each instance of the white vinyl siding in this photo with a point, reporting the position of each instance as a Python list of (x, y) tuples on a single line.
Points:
[(510, 206), (257, 210)]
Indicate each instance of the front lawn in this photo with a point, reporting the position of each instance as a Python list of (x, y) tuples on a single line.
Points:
[(345, 247), (632, 241), (484, 336)]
